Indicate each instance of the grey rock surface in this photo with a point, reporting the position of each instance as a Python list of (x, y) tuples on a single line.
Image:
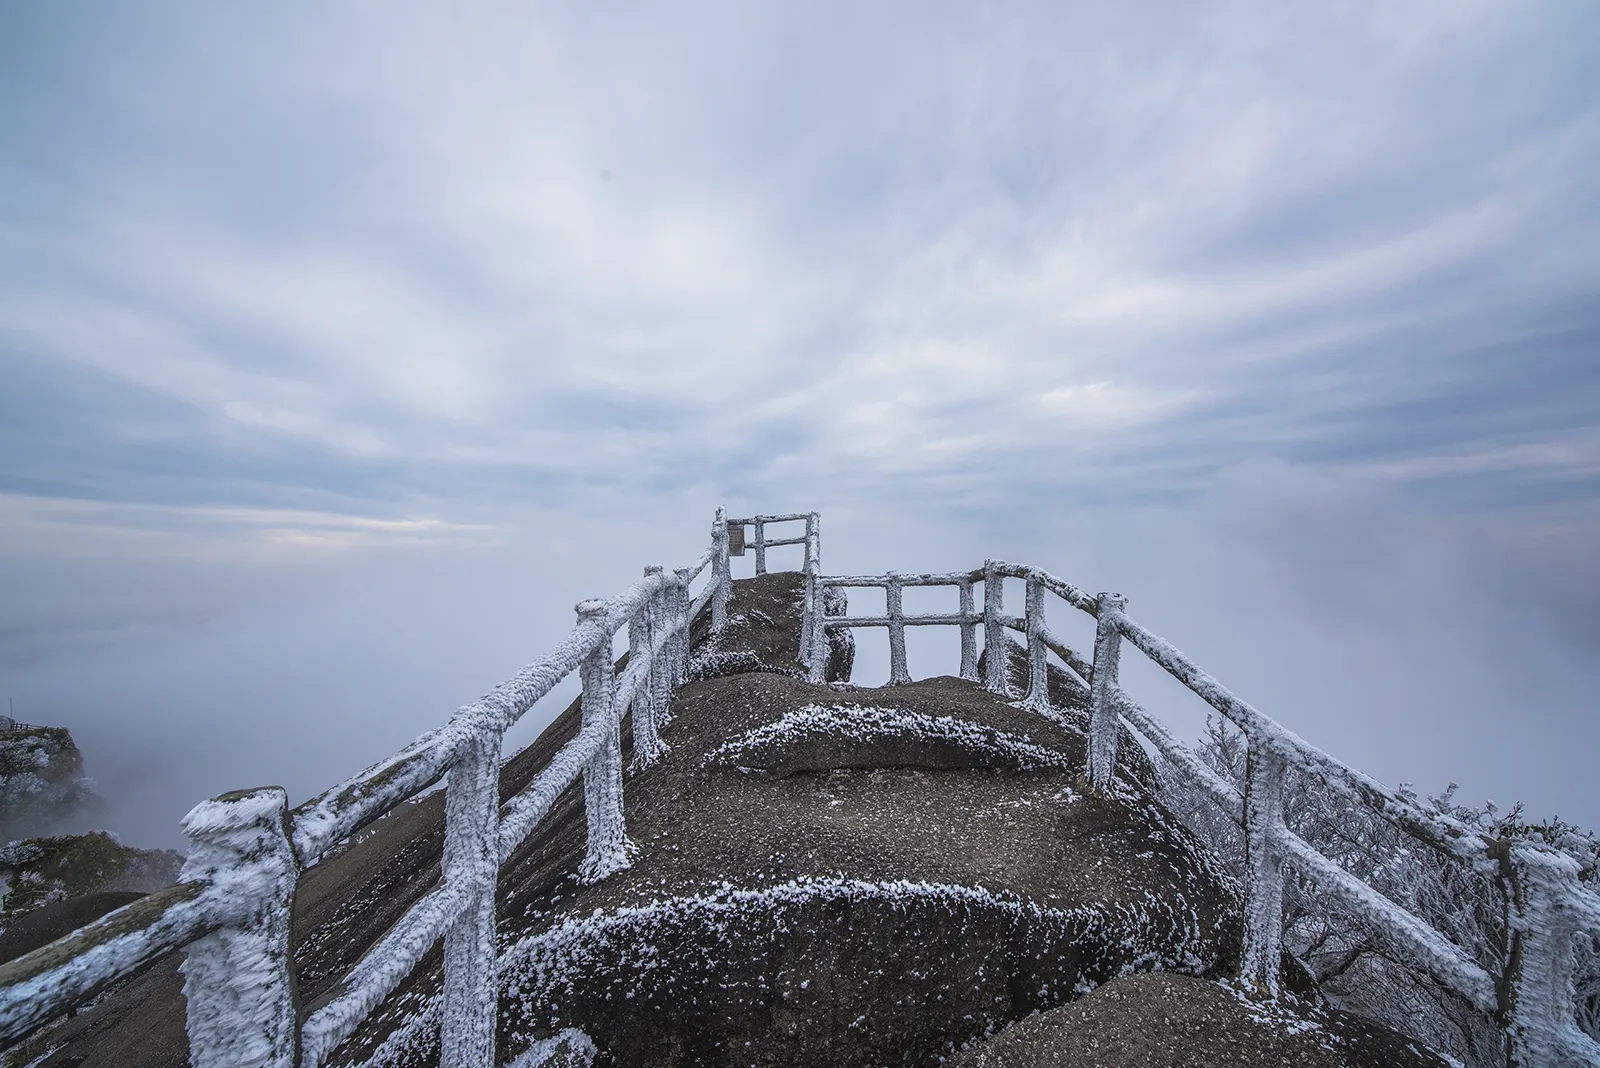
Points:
[(1175, 1021)]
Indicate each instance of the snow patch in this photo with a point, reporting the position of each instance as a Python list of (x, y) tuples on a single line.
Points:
[(869, 724)]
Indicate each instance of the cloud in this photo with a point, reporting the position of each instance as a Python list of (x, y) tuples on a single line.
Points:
[(289, 296)]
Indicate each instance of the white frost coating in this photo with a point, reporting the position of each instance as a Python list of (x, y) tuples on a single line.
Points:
[(1102, 686), (551, 959), (471, 864), (1079, 666), (700, 564), (608, 849), (898, 672), (1441, 831), (45, 983), (994, 636), (238, 980), (567, 1048), (646, 682), (523, 812), (721, 577), (1229, 799), (1263, 863), (702, 599), (969, 634), (380, 970), (1420, 942), (1038, 698), (868, 724), (1543, 1029), (340, 811)]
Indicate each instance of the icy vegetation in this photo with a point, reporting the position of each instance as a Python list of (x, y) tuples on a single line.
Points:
[(42, 784), (38, 871), (1350, 958)]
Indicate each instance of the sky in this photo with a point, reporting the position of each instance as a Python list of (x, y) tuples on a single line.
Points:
[(346, 346)]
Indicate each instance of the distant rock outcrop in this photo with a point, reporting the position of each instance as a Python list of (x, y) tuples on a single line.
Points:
[(51, 883), (42, 871), (42, 784)]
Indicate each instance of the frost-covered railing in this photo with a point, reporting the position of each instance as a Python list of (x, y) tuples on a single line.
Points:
[(810, 567), (231, 910), (1534, 999)]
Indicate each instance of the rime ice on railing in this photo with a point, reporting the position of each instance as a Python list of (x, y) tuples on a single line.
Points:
[(1534, 999), (231, 911)]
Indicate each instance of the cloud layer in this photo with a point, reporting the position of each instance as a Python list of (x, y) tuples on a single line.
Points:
[(299, 292)]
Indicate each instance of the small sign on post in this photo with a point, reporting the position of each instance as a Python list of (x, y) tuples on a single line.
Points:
[(735, 539)]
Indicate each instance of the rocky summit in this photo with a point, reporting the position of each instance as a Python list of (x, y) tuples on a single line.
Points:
[(823, 874)]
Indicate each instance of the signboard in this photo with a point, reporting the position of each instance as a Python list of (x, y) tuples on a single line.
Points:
[(736, 539)]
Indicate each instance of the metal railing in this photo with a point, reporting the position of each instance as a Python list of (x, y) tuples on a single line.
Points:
[(1533, 999), (230, 912)]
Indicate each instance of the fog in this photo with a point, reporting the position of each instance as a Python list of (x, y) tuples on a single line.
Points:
[(344, 351), (1409, 644)]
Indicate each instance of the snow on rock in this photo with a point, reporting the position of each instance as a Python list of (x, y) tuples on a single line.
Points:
[(865, 729), (714, 972), (569, 1048), (762, 632), (42, 784), (1141, 1020), (36, 872)]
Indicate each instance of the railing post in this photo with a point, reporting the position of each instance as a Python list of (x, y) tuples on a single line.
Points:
[(969, 634), (1104, 723), (1038, 677), (680, 604), (472, 861), (817, 670), (239, 981), (995, 654), (1538, 994), (720, 573), (650, 695), (808, 595), (761, 547), (1263, 862), (608, 848), (898, 672)]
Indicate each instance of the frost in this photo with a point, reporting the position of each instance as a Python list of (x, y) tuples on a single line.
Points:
[(870, 724), (568, 1048)]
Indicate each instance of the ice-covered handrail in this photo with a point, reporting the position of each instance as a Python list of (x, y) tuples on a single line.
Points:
[(1533, 999), (75, 968), (231, 912)]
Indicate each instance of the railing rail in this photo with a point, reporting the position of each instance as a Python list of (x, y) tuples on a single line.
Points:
[(1533, 998), (230, 913)]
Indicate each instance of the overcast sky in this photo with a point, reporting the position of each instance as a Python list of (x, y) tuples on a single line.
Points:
[(346, 346)]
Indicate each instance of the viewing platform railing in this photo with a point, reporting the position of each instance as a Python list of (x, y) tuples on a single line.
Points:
[(231, 910), (1534, 999)]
